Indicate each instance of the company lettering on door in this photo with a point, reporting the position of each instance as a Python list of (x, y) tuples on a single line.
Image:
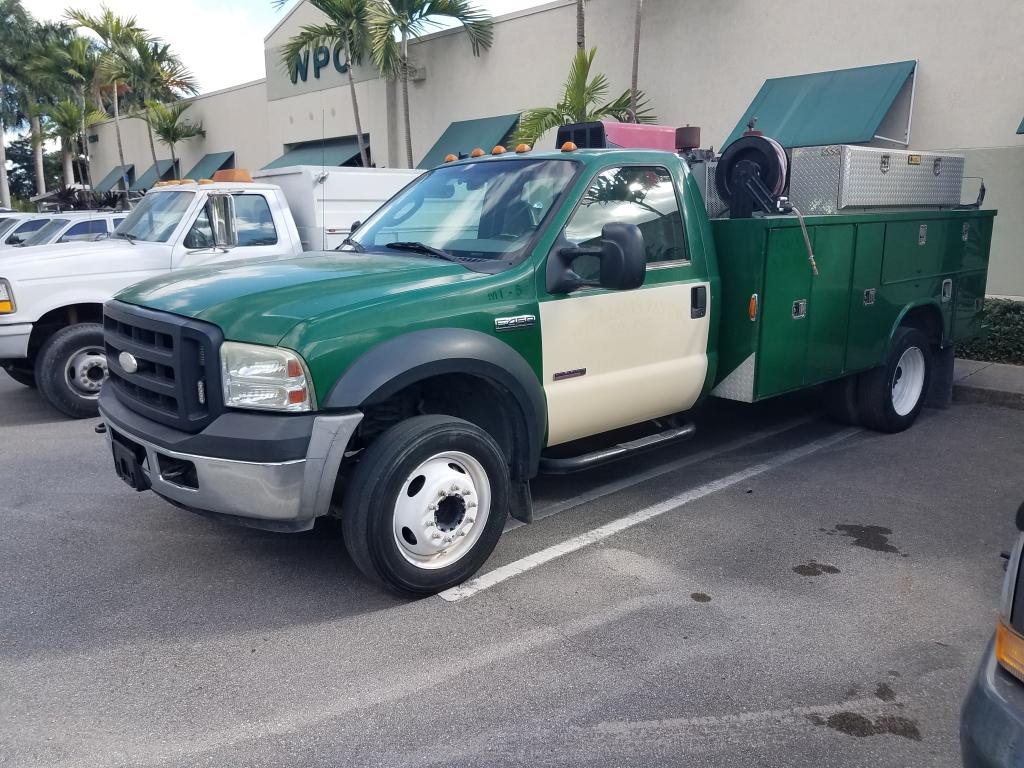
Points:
[(321, 58)]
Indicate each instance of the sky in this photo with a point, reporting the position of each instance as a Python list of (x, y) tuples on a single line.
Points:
[(221, 41)]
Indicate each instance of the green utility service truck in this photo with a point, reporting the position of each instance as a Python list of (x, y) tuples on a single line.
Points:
[(413, 382)]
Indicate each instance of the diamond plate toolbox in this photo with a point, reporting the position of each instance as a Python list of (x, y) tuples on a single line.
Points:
[(830, 179)]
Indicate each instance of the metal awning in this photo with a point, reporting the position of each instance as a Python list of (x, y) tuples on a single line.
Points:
[(328, 152), (462, 137), (112, 179), (210, 164), (845, 106), (154, 174)]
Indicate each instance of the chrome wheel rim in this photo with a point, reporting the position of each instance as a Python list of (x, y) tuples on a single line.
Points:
[(908, 381), (441, 510), (85, 372)]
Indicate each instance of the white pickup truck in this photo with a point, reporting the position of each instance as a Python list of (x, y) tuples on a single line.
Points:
[(51, 297)]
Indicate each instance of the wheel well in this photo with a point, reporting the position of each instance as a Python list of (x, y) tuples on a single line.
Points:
[(926, 319), (62, 317), (477, 399)]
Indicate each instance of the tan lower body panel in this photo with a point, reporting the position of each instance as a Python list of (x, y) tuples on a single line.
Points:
[(642, 353)]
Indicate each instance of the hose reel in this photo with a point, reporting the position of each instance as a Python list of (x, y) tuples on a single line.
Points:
[(752, 175)]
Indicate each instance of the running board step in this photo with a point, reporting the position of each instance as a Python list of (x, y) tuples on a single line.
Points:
[(593, 459)]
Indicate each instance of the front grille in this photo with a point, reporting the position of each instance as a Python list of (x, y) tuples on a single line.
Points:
[(177, 381)]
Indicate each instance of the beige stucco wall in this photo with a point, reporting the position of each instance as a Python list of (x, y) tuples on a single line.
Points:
[(702, 63)]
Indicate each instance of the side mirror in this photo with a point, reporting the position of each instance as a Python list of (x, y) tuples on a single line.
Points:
[(220, 210), (623, 257), (355, 225), (1020, 518), (622, 262)]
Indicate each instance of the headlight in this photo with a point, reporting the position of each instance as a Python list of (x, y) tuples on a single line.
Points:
[(6, 298), (265, 378)]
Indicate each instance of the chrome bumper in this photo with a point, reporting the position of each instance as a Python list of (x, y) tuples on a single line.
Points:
[(294, 493), (14, 341)]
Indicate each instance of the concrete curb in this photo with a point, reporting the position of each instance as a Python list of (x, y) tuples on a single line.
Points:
[(988, 383)]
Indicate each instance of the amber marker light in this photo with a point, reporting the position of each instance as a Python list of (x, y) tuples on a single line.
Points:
[(752, 307), (477, 153), (569, 147), (498, 150), (450, 158), (522, 149), (1010, 650)]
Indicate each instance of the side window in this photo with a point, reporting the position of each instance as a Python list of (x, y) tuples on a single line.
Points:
[(85, 229), (254, 221), (641, 195), (201, 234), (115, 223), (20, 233)]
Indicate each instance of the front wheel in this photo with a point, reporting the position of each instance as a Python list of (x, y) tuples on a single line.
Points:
[(891, 397), (70, 369), (426, 504)]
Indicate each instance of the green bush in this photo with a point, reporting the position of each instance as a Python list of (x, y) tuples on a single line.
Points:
[(1004, 340)]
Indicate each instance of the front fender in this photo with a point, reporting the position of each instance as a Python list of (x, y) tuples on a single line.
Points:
[(397, 363)]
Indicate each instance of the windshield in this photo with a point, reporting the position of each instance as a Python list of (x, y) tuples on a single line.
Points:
[(47, 233), (156, 216), (478, 211), (6, 224)]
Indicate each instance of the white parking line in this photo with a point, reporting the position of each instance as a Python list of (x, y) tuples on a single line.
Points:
[(642, 477), (528, 563)]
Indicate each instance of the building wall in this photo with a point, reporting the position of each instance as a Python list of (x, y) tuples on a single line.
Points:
[(701, 63)]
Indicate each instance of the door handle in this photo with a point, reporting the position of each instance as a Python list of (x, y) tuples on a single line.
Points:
[(698, 301)]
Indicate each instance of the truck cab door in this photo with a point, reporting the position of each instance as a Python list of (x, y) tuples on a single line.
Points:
[(259, 234), (615, 358)]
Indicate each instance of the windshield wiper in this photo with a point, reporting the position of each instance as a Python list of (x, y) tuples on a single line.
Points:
[(126, 236), (357, 247), (426, 250)]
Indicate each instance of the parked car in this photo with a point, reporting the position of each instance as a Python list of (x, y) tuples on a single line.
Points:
[(15, 228), (992, 721), (73, 227)]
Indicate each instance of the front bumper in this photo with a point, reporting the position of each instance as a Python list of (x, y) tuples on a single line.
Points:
[(992, 720), (284, 495), (14, 341)]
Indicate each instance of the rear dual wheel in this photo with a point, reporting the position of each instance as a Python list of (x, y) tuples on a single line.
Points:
[(426, 505)]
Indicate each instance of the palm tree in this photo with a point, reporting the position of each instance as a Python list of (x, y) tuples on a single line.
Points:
[(346, 26), (30, 86), (636, 55), (406, 19), (68, 121), (154, 73), (167, 123), (72, 66), (14, 26), (581, 102), (117, 36)]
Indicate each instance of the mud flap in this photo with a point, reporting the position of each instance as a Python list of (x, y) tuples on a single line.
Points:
[(940, 390), (521, 503)]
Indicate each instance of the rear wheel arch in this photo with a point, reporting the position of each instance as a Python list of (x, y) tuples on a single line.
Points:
[(925, 317)]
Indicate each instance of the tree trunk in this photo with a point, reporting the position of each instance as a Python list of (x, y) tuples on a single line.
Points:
[(5, 187), (174, 164), (67, 161), (581, 26), (152, 145), (37, 154), (86, 167), (117, 130), (405, 100), (355, 109), (636, 58)]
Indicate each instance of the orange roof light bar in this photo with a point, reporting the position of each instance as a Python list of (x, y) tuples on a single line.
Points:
[(233, 175)]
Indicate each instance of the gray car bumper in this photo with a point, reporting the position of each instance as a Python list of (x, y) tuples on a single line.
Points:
[(992, 721), (285, 495)]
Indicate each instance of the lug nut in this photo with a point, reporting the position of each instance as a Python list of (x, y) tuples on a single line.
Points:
[(470, 520), (435, 536)]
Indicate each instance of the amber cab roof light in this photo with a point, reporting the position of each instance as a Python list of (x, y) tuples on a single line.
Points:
[(233, 175), (498, 150), (477, 153), (522, 149), (450, 158)]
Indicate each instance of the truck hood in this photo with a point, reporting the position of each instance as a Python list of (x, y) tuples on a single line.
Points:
[(78, 258), (260, 300)]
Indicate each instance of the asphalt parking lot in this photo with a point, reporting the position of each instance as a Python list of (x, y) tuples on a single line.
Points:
[(780, 591)]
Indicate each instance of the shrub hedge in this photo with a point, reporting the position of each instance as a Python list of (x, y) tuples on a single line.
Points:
[(1004, 342)]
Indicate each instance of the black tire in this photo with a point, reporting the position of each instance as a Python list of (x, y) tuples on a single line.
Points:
[(875, 390), (383, 472), (54, 366), (23, 376), (841, 400)]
